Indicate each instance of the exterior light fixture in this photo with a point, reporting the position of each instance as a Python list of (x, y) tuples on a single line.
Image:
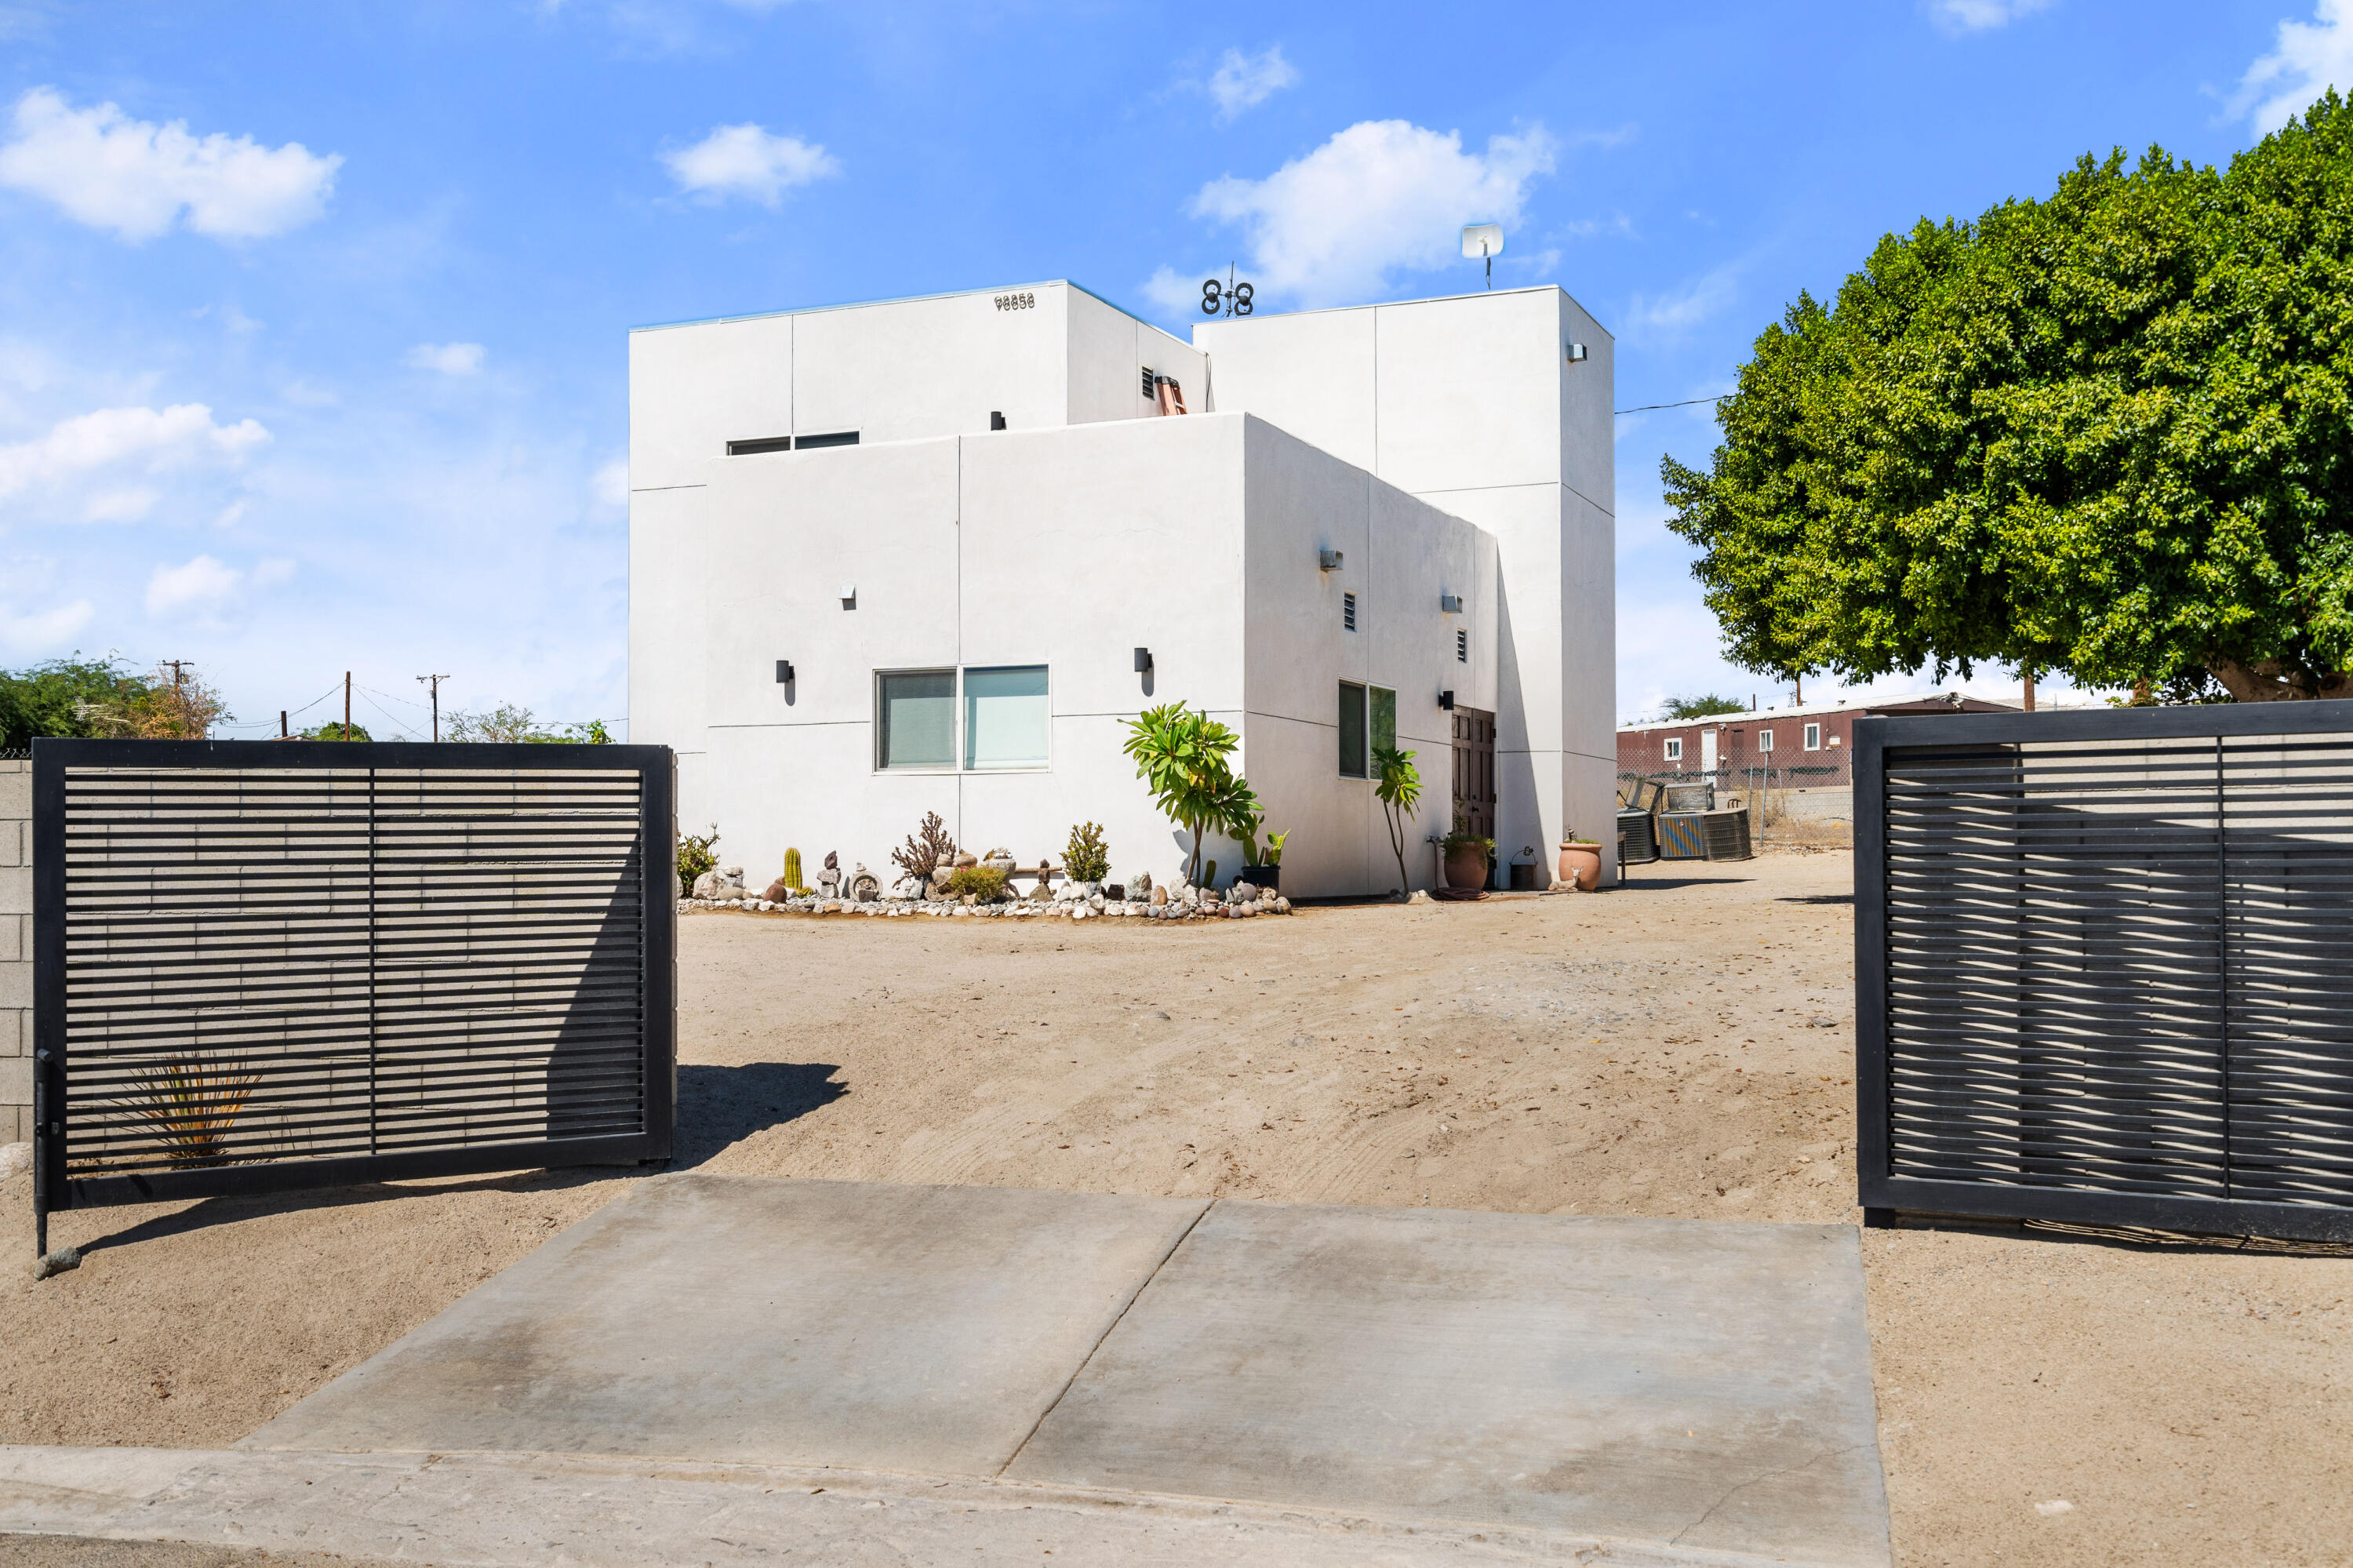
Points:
[(784, 672), (849, 596), (1577, 354), (1143, 661), (1328, 560), (1450, 604), (996, 419), (1446, 701)]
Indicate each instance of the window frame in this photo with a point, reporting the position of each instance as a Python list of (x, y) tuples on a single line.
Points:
[(1764, 740), (1813, 737), (882, 762), (1363, 709), (1675, 749), (963, 712)]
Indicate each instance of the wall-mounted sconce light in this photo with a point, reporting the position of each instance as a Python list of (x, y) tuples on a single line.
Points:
[(1450, 604), (1577, 354), (1143, 661), (849, 596), (1328, 560), (784, 672), (996, 419), (1446, 701)]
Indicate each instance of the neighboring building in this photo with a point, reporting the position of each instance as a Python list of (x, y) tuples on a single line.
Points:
[(960, 524), (1804, 747)]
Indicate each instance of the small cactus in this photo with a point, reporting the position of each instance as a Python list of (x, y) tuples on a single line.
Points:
[(793, 872), (1209, 877)]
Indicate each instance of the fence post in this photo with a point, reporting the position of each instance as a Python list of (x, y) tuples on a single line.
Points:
[(1872, 1166)]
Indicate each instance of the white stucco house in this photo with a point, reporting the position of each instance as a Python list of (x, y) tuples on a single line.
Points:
[(930, 554)]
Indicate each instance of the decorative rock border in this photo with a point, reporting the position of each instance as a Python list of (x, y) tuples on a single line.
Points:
[(1085, 902)]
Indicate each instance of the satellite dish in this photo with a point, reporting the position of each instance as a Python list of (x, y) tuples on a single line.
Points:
[(1483, 242)]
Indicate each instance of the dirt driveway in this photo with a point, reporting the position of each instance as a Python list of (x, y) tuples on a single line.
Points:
[(1681, 1046)]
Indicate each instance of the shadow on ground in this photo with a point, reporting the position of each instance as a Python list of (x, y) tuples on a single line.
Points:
[(717, 1106)]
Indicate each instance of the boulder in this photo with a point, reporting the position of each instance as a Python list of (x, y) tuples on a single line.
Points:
[(1159, 898)]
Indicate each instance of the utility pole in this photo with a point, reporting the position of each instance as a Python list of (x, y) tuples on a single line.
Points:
[(178, 675), (281, 725), (435, 682), (347, 706), (1801, 693)]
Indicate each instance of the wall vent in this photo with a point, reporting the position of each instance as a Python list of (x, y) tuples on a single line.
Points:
[(1348, 611), (1461, 646)]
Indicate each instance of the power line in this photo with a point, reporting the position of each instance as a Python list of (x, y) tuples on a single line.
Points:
[(1685, 404)]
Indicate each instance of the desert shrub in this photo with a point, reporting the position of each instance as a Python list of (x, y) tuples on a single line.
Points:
[(1087, 858), (695, 857), (926, 850), (983, 882)]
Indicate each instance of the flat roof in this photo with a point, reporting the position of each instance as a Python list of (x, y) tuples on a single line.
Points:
[(910, 300), (1425, 299)]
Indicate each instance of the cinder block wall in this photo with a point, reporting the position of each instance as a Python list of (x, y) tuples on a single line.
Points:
[(16, 950)]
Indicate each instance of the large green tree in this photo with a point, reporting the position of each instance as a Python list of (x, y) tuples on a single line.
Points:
[(2109, 433)]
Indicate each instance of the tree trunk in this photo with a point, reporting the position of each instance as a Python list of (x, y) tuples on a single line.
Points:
[(2264, 682)]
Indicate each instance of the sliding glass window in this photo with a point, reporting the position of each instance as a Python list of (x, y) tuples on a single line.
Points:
[(1351, 730), (1005, 718), (915, 719)]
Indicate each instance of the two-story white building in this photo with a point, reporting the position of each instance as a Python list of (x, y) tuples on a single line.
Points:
[(930, 554)]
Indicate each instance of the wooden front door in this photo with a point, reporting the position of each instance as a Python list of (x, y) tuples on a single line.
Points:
[(1474, 772)]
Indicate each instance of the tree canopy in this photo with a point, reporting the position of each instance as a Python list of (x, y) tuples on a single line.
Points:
[(2109, 433), (79, 696), (1701, 707)]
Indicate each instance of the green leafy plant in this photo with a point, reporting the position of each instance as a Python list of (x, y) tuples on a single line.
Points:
[(985, 883), (695, 857), (2106, 432), (1184, 757), (334, 731), (1274, 842), (1246, 829), (1701, 707), (192, 1103), (1086, 857), (1398, 786)]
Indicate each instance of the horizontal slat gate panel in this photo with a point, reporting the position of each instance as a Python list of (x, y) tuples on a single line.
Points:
[(317, 963), (2114, 963)]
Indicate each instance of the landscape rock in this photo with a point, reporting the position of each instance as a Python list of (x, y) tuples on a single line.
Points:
[(1420, 895), (15, 1159)]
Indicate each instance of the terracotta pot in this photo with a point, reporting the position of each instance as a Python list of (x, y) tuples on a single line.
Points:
[(1581, 863), (1466, 865)]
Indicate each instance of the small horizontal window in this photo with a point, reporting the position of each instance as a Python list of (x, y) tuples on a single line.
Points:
[(836, 439), (760, 444)]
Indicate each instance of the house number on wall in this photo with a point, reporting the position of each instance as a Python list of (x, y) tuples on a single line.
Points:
[(1016, 302)]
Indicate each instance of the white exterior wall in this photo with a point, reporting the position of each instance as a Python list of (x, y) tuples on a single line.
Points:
[(1471, 405), (1068, 547)]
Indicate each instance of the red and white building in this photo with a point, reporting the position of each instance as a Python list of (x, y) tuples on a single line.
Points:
[(1804, 745)]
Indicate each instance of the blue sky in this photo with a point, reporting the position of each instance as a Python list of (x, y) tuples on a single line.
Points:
[(312, 318)]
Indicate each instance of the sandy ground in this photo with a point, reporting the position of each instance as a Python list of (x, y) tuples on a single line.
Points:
[(1681, 1046)]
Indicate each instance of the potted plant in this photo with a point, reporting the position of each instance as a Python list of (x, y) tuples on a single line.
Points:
[(1260, 868), (1467, 856), (1580, 862)]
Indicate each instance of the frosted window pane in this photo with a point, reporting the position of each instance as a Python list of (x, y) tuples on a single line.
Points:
[(1005, 717), (918, 719)]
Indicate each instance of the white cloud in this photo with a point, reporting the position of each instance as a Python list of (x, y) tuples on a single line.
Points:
[(42, 630), (109, 442), (2311, 57), (611, 482), (1241, 82), (1981, 16), (1381, 196), (448, 358), (1670, 314), (202, 589), (137, 179), (746, 161)]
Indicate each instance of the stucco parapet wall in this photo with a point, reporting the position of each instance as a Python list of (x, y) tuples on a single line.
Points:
[(1212, 907)]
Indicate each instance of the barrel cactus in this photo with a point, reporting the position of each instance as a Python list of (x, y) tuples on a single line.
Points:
[(793, 872)]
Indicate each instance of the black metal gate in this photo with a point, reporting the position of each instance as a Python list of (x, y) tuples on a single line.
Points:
[(2105, 967), (268, 965)]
